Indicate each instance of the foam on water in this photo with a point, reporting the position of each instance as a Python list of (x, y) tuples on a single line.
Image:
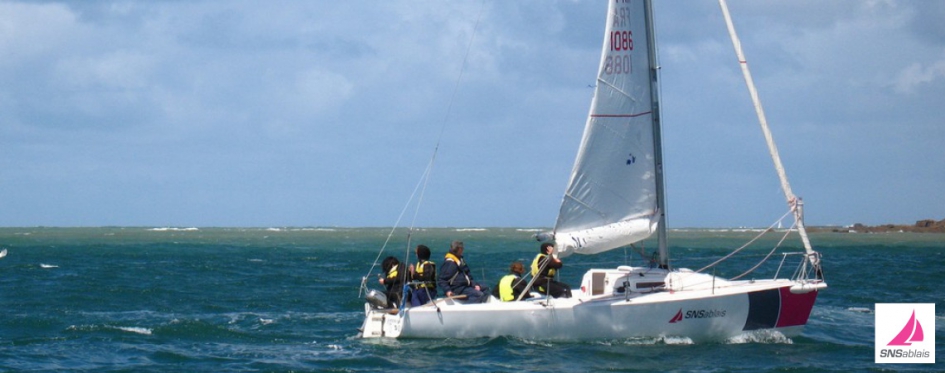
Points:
[(760, 336), (134, 329)]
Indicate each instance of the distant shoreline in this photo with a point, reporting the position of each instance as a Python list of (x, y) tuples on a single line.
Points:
[(921, 226)]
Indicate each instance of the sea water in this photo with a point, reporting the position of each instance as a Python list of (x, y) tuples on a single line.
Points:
[(287, 299)]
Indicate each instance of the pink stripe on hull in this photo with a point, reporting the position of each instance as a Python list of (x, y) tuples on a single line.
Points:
[(795, 308)]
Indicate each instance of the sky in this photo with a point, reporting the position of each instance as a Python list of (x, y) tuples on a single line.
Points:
[(327, 113)]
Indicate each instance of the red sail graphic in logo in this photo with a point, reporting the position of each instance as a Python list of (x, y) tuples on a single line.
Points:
[(676, 318), (912, 332)]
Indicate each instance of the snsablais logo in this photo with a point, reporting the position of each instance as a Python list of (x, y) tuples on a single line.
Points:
[(676, 318), (912, 332), (905, 333)]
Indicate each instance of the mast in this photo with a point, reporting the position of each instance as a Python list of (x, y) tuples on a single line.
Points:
[(663, 247), (795, 203)]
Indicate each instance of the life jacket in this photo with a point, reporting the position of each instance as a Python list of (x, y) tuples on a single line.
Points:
[(459, 268), (392, 273), (419, 272), (506, 290), (536, 265)]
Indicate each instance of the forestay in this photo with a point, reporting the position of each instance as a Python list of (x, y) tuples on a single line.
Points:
[(611, 199)]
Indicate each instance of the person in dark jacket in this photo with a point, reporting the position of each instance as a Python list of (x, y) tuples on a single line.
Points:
[(424, 278), (512, 284), (544, 268), (455, 278), (393, 279)]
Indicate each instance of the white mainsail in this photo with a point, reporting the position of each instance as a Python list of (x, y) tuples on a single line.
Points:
[(612, 197)]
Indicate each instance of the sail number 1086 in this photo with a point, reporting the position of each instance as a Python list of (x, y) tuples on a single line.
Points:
[(619, 63), (621, 40)]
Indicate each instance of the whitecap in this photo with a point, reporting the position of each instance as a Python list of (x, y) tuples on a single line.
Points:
[(134, 329), (47, 266), (766, 336), (677, 340)]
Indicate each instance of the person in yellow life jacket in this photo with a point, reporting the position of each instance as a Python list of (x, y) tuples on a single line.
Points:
[(424, 278), (456, 279), (512, 284), (544, 268), (393, 279)]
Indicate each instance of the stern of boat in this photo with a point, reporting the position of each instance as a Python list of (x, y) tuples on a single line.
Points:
[(380, 323)]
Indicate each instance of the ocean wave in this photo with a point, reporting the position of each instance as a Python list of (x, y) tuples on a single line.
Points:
[(47, 266), (133, 329), (761, 336), (97, 328), (172, 229)]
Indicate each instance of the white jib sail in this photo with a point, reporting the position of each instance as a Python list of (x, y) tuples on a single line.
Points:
[(611, 199)]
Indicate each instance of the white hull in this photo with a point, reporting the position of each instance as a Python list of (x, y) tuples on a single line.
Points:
[(690, 305)]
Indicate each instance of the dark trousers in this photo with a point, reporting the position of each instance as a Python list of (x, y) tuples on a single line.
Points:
[(421, 296), (553, 288), (394, 296), (472, 295)]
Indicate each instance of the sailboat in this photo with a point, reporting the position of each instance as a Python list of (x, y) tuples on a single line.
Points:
[(615, 198)]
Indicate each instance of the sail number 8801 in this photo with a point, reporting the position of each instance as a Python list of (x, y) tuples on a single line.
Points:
[(618, 64)]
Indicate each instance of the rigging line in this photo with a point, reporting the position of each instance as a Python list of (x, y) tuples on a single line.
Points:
[(396, 225), (535, 277), (449, 109), (765, 259), (724, 258), (425, 177)]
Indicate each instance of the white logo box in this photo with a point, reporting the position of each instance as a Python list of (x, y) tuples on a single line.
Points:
[(905, 333)]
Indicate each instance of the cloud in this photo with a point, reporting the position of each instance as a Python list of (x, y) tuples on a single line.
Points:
[(916, 75), (222, 113)]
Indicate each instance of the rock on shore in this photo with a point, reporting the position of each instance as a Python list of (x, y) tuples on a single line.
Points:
[(921, 226)]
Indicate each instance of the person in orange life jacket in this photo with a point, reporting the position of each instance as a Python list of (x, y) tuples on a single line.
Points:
[(424, 273), (394, 277), (455, 278), (545, 273), (512, 284)]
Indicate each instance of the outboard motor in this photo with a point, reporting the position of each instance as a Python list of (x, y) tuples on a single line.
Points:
[(376, 298)]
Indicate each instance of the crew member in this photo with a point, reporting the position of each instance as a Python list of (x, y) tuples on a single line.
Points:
[(512, 284), (393, 280), (455, 278), (424, 278), (544, 268)]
